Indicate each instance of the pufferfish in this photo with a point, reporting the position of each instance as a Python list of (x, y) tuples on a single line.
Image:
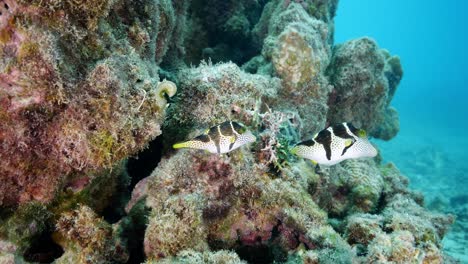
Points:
[(220, 139), (335, 144)]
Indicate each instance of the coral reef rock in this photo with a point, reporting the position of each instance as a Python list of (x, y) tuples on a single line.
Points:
[(85, 85), (76, 97), (364, 80), (201, 201)]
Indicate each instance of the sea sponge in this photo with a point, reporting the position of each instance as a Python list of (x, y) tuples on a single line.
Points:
[(294, 60)]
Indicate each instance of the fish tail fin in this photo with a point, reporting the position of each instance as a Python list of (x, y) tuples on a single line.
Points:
[(181, 145), (293, 150)]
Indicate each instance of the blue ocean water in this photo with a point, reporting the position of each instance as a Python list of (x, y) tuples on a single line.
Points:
[(431, 149)]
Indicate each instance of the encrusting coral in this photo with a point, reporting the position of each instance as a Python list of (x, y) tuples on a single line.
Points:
[(86, 85), (229, 203), (200, 200), (76, 97)]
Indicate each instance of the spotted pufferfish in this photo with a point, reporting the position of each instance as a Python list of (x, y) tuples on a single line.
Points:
[(335, 144), (220, 139)]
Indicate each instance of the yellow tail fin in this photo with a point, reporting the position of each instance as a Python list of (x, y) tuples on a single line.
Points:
[(293, 150), (181, 145)]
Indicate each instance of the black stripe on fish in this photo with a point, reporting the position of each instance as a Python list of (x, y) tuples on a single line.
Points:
[(226, 129), (232, 144), (308, 143), (238, 128), (215, 136), (213, 133), (324, 138), (352, 128), (346, 148), (203, 138), (218, 142), (340, 131), (231, 124)]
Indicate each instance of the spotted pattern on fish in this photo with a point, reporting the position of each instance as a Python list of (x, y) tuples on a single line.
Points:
[(340, 130), (213, 133), (324, 138), (226, 129), (235, 135), (219, 139), (203, 138), (347, 147), (335, 144), (238, 128), (343, 131)]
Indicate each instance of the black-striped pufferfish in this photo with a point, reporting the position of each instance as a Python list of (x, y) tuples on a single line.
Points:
[(335, 144), (220, 139)]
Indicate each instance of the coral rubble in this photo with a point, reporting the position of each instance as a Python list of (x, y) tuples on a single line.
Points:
[(83, 88)]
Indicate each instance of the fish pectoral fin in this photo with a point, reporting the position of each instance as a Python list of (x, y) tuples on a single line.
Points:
[(181, 145), (348, 142), (232, 140), (314, 162)]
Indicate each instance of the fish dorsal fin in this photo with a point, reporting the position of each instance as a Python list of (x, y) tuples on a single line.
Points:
[(361, 133), (323, 136)]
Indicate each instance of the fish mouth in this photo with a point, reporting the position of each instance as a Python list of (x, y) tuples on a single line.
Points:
[(373, 152)]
